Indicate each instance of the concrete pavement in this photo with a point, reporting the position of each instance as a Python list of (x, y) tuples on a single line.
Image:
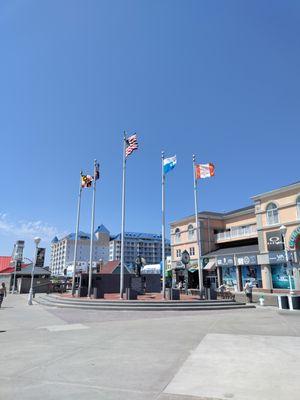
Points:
[(50, 353)]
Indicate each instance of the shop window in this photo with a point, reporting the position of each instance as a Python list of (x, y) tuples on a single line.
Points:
[(191, 232), (280, 277), (298, 207), (229, 276), (177, 235), (252, 274), (272, 214)]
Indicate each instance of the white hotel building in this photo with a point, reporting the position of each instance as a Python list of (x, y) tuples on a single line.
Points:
[(62, 251)]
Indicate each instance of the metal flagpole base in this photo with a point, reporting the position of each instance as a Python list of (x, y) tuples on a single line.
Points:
[(30, 297)]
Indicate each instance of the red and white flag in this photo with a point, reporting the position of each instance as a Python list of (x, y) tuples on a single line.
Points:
[(131, 145), (204, 170)]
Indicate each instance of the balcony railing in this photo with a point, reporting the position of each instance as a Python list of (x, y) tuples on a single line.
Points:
[(238, 232)]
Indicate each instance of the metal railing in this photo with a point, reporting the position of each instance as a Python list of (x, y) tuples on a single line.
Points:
[(237, 232)]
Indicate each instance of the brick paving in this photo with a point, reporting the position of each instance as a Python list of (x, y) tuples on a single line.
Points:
[(144, 297)]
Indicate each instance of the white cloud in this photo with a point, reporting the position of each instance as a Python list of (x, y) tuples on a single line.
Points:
[(27, 229)]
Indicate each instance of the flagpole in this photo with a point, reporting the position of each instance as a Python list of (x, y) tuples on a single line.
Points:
[(198, 233), (76, 235), (123, 218), (92, 233), (163, 225)]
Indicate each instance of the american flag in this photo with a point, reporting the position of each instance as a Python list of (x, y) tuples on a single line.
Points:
[(132, 145)]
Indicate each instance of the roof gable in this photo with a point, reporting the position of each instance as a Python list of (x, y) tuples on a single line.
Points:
[(113, 267)]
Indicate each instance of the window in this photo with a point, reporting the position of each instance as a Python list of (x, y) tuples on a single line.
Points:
[(191, 232), (177, 235), (298, 207), (192, 251), (272, 214), (178, 253)]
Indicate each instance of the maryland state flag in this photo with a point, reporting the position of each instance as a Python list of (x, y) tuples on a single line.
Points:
[(86, 181), (203, 171), (96, 172)]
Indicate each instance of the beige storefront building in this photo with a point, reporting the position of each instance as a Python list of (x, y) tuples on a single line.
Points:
[(245, 244)]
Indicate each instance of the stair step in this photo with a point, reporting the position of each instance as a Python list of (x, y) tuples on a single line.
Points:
[(128, 306), (107, 303)]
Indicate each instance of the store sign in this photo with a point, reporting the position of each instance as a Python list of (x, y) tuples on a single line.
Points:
[(294, 236), (274, 241), (247, 259), (225, 260), (278, 257)]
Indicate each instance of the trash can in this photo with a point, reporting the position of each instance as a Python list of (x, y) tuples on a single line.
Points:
[(283, 302), (175, 294)]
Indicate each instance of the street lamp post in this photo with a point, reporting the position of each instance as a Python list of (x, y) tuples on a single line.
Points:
[(36, 241), (283, 231)]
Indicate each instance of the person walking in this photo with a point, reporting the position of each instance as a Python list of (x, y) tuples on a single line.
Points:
[(248, 291), (3, 292)]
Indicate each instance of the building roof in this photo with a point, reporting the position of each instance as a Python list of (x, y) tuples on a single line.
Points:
[(139, 235), (278, 190), (102, 229), (111, 266), (25, 270), (221, 215), (5, 262), (82, 235), (252, 248)]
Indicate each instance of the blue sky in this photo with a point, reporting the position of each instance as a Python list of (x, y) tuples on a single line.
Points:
[(217, 78)]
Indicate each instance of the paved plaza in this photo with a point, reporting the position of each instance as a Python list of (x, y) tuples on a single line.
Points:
[(50, 353)]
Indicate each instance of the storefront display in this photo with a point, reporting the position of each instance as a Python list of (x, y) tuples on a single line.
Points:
[(280, 277), (229, 276), (252, 274)]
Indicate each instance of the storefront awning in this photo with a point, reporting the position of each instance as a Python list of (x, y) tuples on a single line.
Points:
[(210, 266)]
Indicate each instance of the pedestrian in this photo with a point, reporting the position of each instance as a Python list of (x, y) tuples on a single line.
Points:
[(2, 292), (248, 291)]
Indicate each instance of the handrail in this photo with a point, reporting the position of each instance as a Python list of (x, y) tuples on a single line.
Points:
[(237, 232)]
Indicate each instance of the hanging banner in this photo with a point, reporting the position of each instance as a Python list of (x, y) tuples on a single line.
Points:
[(274, 241), (40, 257)]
